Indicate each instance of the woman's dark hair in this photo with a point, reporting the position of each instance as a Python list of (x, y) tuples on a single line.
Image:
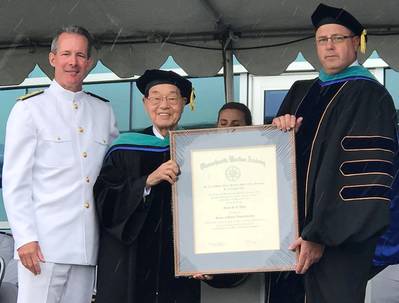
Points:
[(238, 106)]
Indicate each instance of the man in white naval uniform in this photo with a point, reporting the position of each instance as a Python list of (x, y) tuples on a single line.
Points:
[(54, 148)]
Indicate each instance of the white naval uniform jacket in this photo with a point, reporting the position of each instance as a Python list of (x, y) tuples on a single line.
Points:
[(54, 148)]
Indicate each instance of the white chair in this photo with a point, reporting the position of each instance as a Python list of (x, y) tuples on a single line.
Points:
[(2, 269), (8, 270), (7, 252)]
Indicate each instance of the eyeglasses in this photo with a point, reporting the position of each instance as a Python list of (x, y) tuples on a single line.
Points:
[(335, 39), (157, 99)]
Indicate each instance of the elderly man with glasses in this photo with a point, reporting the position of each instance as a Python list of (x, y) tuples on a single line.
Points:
[(133, 199)]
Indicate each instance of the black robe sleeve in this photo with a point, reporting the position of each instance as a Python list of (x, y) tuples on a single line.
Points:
[(118, 193), (350, 181)]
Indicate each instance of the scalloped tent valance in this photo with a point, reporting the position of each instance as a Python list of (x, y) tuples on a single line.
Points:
[(134, 35)]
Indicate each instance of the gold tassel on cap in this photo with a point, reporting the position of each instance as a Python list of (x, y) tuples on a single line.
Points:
[(192, 100), (363, 41)]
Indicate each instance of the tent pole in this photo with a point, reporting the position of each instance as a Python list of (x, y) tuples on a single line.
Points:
[(226, 41), (228, 75)]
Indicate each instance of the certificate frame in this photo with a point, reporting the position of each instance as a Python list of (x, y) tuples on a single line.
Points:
[(237, 211)]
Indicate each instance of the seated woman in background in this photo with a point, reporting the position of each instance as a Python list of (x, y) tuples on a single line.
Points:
[(280, 287), (234, 114)]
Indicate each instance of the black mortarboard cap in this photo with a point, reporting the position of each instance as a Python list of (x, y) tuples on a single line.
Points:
[(325, 14), (155, 76)]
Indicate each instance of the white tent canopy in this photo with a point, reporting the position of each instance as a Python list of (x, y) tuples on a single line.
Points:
[(134, 35)]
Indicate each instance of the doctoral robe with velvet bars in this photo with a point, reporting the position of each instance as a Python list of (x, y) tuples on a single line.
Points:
[(345, 150)]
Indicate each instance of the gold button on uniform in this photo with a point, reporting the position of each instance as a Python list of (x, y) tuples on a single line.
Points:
[(81, 129), (87, 179), (86, 205), (75, 105), (84, 155)]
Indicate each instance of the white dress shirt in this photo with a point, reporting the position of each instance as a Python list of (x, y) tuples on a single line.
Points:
[(54, 148)]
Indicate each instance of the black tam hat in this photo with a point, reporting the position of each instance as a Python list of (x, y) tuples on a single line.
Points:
[(155, 76), (325, 14)]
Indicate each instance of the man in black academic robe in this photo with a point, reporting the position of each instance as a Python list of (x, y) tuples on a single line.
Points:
[(345, 149), (136, 262), (136, 239)]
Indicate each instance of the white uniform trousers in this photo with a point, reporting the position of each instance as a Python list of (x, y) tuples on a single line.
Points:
[(57, 283)]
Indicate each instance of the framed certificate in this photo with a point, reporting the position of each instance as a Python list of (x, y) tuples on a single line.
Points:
[(234, 204)]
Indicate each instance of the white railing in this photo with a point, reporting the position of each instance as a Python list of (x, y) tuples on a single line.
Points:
[(4, 225)]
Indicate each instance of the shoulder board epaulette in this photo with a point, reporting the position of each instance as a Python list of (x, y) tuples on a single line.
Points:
[(98, 97), (27, 96)]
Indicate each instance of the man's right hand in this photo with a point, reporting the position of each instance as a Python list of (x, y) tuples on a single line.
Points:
[(309, 253), (30, 256), (168, 171), (287, 122)]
